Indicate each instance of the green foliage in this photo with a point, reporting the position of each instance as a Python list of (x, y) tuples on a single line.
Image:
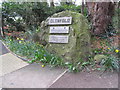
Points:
[(36, 53), (107, 57), (24, 16), (111, 62), (68, 7), (98, 51), (110, 30), (116, 20), (98, 58), (113, 27), (9, 13), (29, 35), (32, 51), (78, 66)]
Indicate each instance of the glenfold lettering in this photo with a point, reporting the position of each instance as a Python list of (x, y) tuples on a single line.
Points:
[(61, 20)]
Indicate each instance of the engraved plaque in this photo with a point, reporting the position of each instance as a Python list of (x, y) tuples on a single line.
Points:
[(59, 29), (60, 21), (58, 39)]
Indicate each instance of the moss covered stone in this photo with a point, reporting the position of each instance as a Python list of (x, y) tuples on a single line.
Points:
[(99, 57), (78, 45)]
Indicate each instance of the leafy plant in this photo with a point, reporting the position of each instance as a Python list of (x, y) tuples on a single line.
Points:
[(72, 67), (32, 51), (98, 51), (77, 66), (111, 62)]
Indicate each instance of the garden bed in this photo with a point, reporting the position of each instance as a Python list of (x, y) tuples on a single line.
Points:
[(30, 52)]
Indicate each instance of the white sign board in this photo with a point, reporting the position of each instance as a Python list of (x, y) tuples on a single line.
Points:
[(59, 29), (58, 39), (60, 21)]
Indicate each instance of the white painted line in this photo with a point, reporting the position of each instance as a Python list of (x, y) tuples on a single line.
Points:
[(58, 78)]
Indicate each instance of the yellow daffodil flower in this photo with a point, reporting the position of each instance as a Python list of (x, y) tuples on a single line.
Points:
[(17, 38), (43, 66), (22, 39), (10, 39), (116, 50), (41, 45), (108, 48), (44, 57)]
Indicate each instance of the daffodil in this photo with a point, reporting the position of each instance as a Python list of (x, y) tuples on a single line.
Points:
[(22, 39), (28, 41), (10, 39), (43, 66), (41, 45), (116, 50), (37, 43), (44, 57), (108, 48), (17, 38)]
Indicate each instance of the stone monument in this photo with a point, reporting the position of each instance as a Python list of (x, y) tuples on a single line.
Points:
[(66, 35)]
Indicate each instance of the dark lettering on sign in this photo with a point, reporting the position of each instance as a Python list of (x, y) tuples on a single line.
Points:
[(60, 20), (51, 21), (58, 39), (59, 29)]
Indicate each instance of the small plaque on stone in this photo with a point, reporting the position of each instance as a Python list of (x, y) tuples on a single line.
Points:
[(59, 29), (58, 39), (60, 21)]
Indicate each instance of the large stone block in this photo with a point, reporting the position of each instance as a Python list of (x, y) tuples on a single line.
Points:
[(66, 35)]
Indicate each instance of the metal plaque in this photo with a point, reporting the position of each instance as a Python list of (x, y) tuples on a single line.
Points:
[(58, 39), (60, 21), (59, 29)]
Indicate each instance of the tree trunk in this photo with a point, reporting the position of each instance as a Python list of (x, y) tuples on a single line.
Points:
[(51, 3), (1, 27), (67, 2), (100, 15), (82, 8), (119, 16)]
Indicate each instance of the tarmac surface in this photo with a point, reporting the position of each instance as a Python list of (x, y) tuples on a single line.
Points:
[(3, 49), (34, 76), (87, 80), (31, 76)]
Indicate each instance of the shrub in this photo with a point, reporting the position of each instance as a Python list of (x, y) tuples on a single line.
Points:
[(24, 16)]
